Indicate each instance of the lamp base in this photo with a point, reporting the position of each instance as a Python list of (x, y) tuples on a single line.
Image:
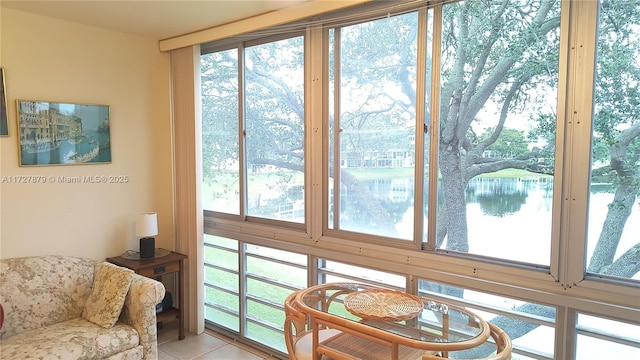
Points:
[(147, 247)]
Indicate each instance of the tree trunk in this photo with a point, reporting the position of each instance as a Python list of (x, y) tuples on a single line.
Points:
[(617, 215), (455, 207)]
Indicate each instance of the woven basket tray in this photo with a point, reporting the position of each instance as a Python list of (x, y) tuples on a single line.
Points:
[(382, 304)]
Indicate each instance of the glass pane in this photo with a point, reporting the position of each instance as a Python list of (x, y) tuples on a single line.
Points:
[(220, 155), (267, 336), (525, 334), (274, 113), (265, 313), (590, 347), (222, 318), (331, 271), (610, 327), (295, 276), (221, 281), (276, 254), (267, 292), (269, 276), (376, 126), (614, 210), (497, 125)]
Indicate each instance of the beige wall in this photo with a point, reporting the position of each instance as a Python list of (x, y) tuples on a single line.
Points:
[(54, 60)]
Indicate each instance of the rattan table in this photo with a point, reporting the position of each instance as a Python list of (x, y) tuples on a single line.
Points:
[(378, 323)]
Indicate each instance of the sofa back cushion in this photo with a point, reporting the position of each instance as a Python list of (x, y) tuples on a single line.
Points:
[(110, 286), (42, 290)]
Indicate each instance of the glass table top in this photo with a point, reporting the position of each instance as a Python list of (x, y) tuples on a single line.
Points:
[(399, 313)]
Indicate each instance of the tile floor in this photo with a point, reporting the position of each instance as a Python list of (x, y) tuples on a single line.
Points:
[(206, 346)]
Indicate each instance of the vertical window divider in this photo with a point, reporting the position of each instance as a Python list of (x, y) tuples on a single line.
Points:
[(418, 206), (434, 126), (242, 134), (242, 288), (576, 179), (559, 217), (337, 129), (565, 336), (314, 115)]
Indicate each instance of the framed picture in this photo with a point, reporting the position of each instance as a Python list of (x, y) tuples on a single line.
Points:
[(54, 133), (4, 126)]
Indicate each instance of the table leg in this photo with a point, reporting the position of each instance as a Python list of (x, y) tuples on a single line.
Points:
[(181, 300), (315, 342)]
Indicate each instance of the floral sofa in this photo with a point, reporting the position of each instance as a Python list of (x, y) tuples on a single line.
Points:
[(61, 307)]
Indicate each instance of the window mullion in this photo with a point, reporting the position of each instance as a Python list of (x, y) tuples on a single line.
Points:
[(433, 124), (242, 134), (565, 343), (314, 115), (421, 70), (578, 130), (337, 128)]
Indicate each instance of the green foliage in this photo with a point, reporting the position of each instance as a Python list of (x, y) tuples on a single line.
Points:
[(219, 78), (510, 144), (617, 92)]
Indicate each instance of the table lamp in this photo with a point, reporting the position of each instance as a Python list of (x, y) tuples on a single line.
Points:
[(146, 228)]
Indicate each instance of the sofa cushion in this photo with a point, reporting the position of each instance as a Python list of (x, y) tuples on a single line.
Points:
[(42, 290), (73, 339), (110, 286), (137, 353)]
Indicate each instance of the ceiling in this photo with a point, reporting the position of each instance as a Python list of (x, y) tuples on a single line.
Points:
[(157, 19)]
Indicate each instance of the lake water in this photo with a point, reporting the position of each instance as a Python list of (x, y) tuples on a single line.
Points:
[(512, 218)]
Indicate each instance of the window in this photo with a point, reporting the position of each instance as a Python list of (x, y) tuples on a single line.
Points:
[(499, 76), (222, 282), (614, 210), (274, 116), (220, 135), (335, 271), (600, 338), (529, 325), (431, 147), (251, 280), (373, 117), (254, 146)]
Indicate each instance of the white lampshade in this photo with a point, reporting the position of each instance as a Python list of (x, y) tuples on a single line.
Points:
[(147, 224)]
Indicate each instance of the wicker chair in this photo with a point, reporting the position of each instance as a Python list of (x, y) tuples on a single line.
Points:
[(502, 343), (297, 337)]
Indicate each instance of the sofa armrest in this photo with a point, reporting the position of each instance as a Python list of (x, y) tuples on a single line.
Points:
[(139, 311)]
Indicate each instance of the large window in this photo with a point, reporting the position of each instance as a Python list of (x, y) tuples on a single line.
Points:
[(499, 76), (220, 137), (274, 116), (484, 152), (253, 130), (373, 108)]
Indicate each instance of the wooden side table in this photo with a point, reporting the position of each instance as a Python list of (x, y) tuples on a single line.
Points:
[(155, 268)]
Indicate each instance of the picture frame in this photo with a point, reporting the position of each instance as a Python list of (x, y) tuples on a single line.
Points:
[(4, 116), (58, 133)]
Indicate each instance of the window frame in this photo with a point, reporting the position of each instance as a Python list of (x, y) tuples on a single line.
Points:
[(563, 282)]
